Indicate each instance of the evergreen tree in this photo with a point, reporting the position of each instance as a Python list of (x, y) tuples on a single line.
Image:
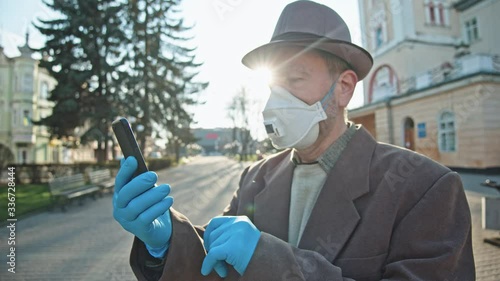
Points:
[(160, 74), (83, 52)]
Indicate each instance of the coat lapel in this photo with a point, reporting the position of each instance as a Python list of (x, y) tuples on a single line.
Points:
[(272, 204), (334, 216)]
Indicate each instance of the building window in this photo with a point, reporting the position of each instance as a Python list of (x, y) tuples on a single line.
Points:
[(379, 37), (436, 13), (26, 118), (378, 26), (22, 156), (27, 83), (472, 30), (447, 135), (44, 91), (14, 117), (55, 155), (432, 13), (441, 14)]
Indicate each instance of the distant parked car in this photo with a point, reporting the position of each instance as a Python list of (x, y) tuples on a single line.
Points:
[(155, 154)]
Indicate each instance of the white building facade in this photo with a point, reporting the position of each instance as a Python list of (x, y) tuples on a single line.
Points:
[(24, 96), (435, 84)]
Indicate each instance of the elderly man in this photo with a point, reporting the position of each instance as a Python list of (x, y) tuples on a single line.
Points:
[(334, 205)]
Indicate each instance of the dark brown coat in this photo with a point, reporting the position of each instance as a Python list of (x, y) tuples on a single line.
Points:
[(383, 213)]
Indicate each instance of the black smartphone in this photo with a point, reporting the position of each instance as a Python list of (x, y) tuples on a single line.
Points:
[(128, 143)]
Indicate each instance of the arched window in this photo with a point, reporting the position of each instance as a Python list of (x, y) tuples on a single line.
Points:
[(447, 135), (383, 84)]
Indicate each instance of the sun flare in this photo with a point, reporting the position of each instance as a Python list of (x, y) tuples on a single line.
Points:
[(263, 76)]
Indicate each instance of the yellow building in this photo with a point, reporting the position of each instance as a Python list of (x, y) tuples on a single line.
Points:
[(24, 92), (435, 84)]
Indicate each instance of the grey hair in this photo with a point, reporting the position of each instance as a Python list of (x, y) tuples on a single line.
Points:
[(335, 64)]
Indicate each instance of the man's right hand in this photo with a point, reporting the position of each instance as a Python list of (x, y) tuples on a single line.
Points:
[(142, 208)]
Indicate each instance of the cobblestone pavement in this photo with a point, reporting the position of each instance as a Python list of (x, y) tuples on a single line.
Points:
[(85, 243)]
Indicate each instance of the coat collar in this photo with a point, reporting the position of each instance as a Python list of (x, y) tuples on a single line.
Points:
[(272, 204), (334, 216)]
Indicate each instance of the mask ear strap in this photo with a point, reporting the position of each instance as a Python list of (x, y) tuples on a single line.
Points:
[(330, 93)]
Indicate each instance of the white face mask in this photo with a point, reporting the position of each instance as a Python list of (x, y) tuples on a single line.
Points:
[(291, 122)]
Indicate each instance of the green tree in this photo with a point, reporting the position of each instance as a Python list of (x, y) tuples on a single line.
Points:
[(82, 52), (160, 76)]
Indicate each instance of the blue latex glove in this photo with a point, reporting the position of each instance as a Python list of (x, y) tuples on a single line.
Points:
[(142, 208), (230, 240)]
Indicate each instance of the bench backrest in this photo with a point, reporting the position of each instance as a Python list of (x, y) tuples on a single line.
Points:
[(99, 176), (65, 183)]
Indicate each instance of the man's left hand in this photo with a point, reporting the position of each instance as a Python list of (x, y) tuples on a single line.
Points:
[(231, 240)]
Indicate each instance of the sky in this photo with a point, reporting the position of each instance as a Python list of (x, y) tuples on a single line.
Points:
[(224, 31)]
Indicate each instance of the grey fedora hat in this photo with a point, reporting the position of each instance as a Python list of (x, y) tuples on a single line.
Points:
[(312, 26)]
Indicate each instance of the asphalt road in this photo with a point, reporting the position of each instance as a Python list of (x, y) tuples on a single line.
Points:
[(85, 243)]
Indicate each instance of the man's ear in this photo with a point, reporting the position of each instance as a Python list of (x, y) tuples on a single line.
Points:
[(347, 81)]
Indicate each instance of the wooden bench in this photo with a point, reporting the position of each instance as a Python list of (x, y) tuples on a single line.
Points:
[(103, 179), (66, 188)]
